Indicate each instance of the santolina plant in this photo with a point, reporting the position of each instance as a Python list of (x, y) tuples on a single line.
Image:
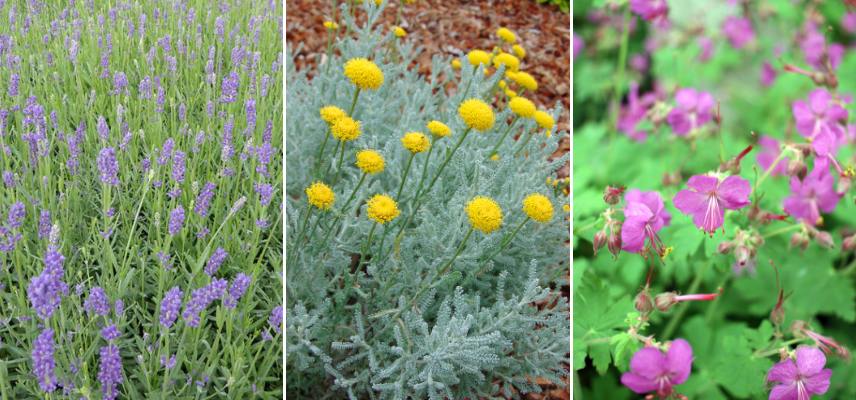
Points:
[(140, 241), (729, 271), (423, 244)]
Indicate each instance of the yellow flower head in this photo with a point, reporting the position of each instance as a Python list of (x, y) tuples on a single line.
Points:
[(525, 80), (370, 161), (502, 84), (566, 208), (346, 129), (519, 51), (511, 62), (510, 93), (331, 25), (382, 208), (538, 207), (495, 157), (506, 35), (331, 114), (364, 73), (476, 114), (320, 196), (438, 129), (544, 120), (378, 2), (416, 142), (477, 57), (484, 214), (456, 64), (522, 106), (399, 32)]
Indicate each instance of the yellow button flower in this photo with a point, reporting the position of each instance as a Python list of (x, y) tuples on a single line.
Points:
[(566, 208), (484, 213), (346, 129), (538, 207), (456, 64), (510, 93), (506, 35), (476, 114), (525, 80), (320, 196), (415, 142), (522, 106), (510, 61), (438, 129), (399, 32), (370, 161), (364, 73), (331, 114), (502, 84), (495, 157), (519, 51), (331, 25), (477, 57), (544, 120), (382, 208)]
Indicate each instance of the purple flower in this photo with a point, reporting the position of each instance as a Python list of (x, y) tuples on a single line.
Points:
[(817, 51), (44, 224), (120, 82), (46, 290), (738, 30), (203, 201), (169, 307), (768, 74), (168, 363), (848, 22), (176, 220), (17, 213), (13, 85), (650, 10), (239, 286), (229, 88), (651, 370), (813, 195), (709, 198), (822, 120), (119, 307), (103, 129), (9, 179), (644, 216), (693, 109), (201, 298), (145, 88), (108, 166), (110, 332), (166, 151), (801, 379), (634, 112), (215, 261), (265, 192), (250, 107), (770, 150), (110, 371), (275, 319), (97, 303), (178, 167), (43, 360)]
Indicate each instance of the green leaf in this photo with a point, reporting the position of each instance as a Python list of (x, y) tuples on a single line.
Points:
[(737, 370)]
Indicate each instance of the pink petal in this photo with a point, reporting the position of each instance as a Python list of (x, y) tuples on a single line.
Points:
[(679, 122), (819, 383), (819, 99), (648, 362), (734, 192), (637, 211), (703, 183), (637, 383), (680, 360), (810, 360), (633, 235), (783, 372), (687, 99), (690, 202), (784, 392)]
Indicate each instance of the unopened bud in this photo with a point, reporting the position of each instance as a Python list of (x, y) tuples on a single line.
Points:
[(612, 194), (849, 243), (665, 301), (824, 239), (799, 240), (725, 247), (797, 167), (643, 302), (742, 255), (614, 242), (599, 241), (844, 185)]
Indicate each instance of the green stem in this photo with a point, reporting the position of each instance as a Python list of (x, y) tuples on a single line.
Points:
[(457, 253), (502, 138), (525, 142), (354, 103), (782, 230), (424, 170), (770, 169), (505, 242), (321, 153), (368, 244), (302, 226), (353, 193), (404, 178), (673, 323)]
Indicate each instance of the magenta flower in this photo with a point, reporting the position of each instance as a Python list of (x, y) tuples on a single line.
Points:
[(768, 74), (650, 10), (634, 112), (693, 109), (706, 46), (651, 370), (738, 30), (578, 45), (801, 379), (813, 195), (848, 22), (770, 150), (816, 50), (709, 198), (822, 120), (644, 216)]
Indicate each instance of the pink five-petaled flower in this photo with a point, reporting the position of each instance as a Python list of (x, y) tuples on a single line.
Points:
[(635, 112), (693, 109), (738, 30), (650, 10), (709, 198), (644, 216), (813, 195), (822, 120), (801, 379), (653, 371), (770, 150)]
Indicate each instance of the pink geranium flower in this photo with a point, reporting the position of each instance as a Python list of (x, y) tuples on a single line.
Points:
[(650, 10), (801, 379), (813, 195), (634, 112), (651, 370), (693, 109), (822, 120), (738, 30), (770, 150), (644, 216), (708, 198), (768, 74)]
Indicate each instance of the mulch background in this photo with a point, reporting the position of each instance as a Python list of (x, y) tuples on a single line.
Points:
[(454, 27)]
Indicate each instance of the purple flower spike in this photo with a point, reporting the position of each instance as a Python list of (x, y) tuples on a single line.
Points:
[(16, 215), (170, 306), (46, 290), (265, 192), (108, 166), (97, 302), (203, 201), (800, 379), (239, 286), (275, 319), (44, 224), (770, 150), (651, 370), (693, 109), (644, 216), (110, 333), (813, 195), (176, 220), (110, 371), (229, 88), (201, 298), (43, 360), (178, 167), (709, 198), (215, 261)]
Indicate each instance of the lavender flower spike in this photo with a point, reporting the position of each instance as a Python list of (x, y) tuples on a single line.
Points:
[(239, 286), (108, 166), (201, 298), (169, 307), (43, 360), (110, 371), (215, 261), (176, 220)]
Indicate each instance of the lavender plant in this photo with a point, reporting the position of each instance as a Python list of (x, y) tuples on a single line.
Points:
[(138, 257), (423, 249)]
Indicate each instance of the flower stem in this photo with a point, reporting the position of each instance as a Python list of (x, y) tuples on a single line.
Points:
[(505, 242), (302, 226), (770, 169), (457, 253), (673, 323), (424, 171), (404, 177), (368, 244), (321, 153), (782, 230), (502, 138), (354, 103)]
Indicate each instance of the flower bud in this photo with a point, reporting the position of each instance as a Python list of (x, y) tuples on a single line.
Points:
[(614, 242), (665, 301), (849, 243), (797, 167), (824, 239), (612, 194), (643, 302), (725, 247), (599, 241), (742, 255), (844, 184), (799, 240)]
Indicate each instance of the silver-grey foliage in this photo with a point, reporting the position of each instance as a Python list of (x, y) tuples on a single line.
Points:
[(390, 328)]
